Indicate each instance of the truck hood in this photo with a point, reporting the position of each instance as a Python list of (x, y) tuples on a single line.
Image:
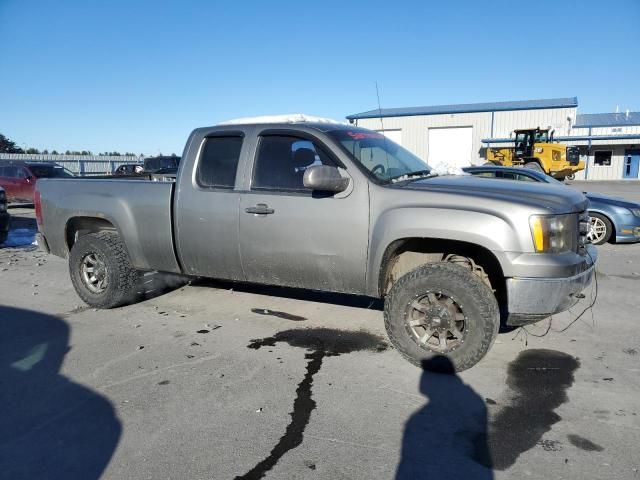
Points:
[(555, 198)]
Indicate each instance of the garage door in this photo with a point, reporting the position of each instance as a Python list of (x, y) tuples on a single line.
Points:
[(450, 146), (393, 135)]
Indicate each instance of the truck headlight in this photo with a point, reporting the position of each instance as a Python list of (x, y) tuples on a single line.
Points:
[(635, 211), (539, 149), (553, 233)]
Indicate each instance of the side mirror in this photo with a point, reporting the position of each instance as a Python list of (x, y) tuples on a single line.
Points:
[(324, 178), (29, 179)]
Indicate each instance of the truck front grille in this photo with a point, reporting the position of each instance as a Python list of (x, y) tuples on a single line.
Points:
[(584, 225)]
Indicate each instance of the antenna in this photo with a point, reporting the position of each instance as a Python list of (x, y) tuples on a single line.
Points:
[(379, 107), (384, 137)]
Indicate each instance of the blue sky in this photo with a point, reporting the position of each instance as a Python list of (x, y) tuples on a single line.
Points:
[(139, 75)]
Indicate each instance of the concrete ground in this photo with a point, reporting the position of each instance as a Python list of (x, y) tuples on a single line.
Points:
[(221, 381)]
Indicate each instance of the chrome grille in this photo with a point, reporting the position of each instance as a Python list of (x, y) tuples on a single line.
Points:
[(584, 225)]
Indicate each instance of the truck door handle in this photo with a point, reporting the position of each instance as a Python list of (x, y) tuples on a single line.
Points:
[(260, 209)]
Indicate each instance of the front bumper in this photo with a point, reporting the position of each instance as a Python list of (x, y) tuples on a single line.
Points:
[(532, 299), (628, 232)]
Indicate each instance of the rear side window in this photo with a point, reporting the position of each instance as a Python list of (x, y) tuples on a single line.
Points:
[(282, 161), (219, 162), (9, 172)]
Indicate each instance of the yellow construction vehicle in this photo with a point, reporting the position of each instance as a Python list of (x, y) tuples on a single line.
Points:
[(537, 150)]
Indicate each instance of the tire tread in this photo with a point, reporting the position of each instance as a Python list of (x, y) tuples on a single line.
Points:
[(488, 306)]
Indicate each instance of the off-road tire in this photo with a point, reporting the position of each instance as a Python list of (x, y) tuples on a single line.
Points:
[(607, 224), (122, 277), (535, 166), (476, 299)]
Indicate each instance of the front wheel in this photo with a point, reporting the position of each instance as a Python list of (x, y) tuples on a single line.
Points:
[(101, 271), (442, 309), (601, 229)]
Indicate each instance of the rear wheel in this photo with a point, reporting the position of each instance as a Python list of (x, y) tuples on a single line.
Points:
[(601, 229), (442, 309), (101, 271), (535, 166)]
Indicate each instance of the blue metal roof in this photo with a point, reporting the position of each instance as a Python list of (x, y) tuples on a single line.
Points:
[(607, 119), (469, 108), (628, 136)]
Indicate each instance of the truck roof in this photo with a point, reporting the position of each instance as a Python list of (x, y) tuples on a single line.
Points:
[(322, 127), (287, 118)]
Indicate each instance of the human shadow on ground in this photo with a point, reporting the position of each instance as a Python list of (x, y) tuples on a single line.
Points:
[(447, 438), (50, 427)]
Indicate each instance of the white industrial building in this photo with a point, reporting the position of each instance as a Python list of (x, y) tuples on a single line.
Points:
[(459, 134)]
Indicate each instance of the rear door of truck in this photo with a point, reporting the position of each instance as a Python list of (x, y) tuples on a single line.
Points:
[(206, 204)]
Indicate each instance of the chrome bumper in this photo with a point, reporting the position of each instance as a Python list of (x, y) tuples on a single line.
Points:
[(532, 299)]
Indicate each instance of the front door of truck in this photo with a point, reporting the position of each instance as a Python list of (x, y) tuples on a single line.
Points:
[(206, 207), (294, 237)]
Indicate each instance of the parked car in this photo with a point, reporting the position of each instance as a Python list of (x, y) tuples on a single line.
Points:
[(128, 169), (332, 207), (18, 178), (5, 218), (611, 218), (156, 164)]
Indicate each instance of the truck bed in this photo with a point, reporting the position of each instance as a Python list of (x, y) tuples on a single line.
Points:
[(140, 210)]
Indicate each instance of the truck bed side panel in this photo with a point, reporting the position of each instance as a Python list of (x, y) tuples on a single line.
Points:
[(139, 210)]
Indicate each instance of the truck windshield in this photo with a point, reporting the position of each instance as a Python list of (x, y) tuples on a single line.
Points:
[(382, 157)]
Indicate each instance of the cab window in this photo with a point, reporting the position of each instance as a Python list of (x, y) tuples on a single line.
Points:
[(219, 162), (282, 160)]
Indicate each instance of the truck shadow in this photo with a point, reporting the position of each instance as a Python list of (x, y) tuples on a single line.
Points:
[(50, 427), (344, 299), (447, 438)]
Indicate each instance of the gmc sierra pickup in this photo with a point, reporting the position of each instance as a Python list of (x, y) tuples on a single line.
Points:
[(332, 207)]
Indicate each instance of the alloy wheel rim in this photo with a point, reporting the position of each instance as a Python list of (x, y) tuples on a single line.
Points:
[(94, 273), (597, 231), (436, 322)]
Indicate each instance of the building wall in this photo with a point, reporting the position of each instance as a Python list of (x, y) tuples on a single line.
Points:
[(612, 172), (415, 129), (626, 130)]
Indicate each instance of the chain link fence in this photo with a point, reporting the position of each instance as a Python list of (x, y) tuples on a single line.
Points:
[(82, 165)]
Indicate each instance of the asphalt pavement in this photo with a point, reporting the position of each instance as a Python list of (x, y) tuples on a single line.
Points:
[(211, 380)]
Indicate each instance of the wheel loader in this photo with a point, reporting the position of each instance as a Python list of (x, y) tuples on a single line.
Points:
[(537, 150)]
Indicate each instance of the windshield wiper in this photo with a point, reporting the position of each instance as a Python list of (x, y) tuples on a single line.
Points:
[(413, 176)]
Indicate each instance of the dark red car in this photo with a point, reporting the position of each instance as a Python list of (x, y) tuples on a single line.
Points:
[(19, 178)]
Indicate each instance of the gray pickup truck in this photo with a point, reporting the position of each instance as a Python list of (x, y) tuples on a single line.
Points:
[(337, 208)]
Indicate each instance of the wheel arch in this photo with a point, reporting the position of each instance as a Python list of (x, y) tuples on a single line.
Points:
[(84, 225), (405, 254)]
